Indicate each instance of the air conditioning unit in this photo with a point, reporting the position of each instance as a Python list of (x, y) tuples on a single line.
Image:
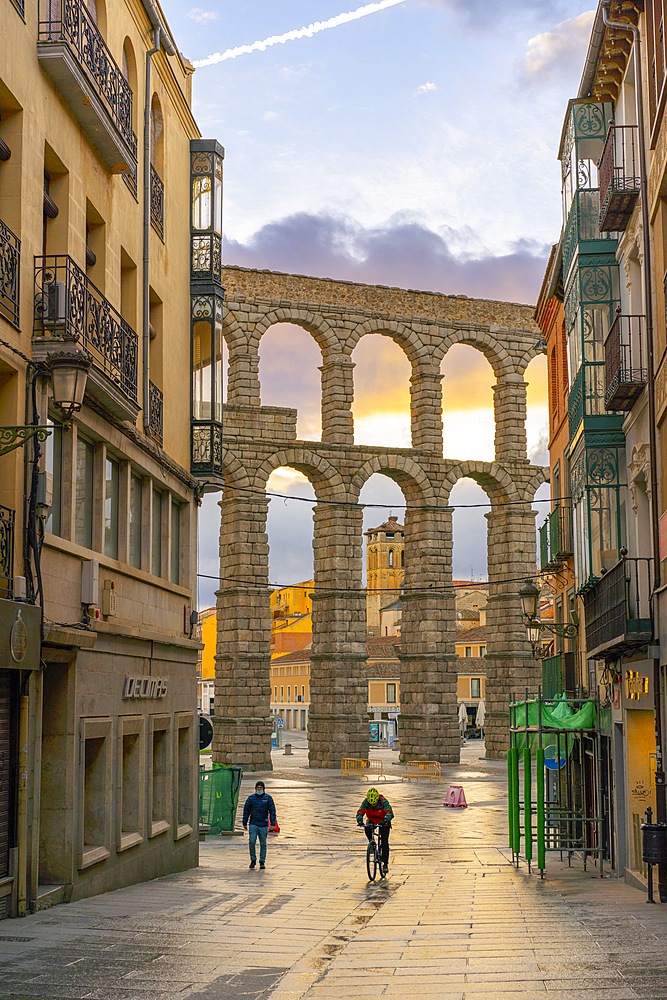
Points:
[(54, 302)]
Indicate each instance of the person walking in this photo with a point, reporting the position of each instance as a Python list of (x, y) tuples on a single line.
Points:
[(258, 811)]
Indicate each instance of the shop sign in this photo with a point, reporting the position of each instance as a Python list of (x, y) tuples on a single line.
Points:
[(18, 640), (144, 687), (636, 685)]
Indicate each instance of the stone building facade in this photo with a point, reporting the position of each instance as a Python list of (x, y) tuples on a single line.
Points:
[(98, 720), (259, 439)]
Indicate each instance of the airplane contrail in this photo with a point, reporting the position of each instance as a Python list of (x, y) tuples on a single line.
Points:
[(307, 32)]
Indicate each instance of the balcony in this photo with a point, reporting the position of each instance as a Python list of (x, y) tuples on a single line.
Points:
[(19, 7), (157, 203), (586, 396), (559, 675), (582, 229), (155, 412), (625, 362), (620, 177), (618, 610), (68, 307), (73, 54), (556, 538), (206, 454), (10, 261), (6, 553)]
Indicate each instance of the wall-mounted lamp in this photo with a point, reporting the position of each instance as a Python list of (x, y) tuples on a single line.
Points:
[(530, 595), (68, 371)]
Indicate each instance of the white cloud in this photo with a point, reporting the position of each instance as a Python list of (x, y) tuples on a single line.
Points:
[(306, 32), (551, 54), (202, 16), (426, 88)]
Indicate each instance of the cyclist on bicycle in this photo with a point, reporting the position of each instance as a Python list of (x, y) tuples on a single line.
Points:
[(376, 809)]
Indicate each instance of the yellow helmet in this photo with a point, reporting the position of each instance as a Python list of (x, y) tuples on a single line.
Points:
[(372, 796)]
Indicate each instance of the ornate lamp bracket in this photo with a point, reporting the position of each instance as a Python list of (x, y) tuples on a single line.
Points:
[(16, 437)]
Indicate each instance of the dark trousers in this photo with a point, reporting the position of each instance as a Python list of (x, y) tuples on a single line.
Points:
[(385, 830)]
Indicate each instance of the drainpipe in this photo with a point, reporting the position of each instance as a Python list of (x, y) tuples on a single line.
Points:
[(22, 811), (660, 791), (145, 338)]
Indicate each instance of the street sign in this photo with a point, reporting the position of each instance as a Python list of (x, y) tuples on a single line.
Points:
[(552, 760), (205, 732), (279, 723)]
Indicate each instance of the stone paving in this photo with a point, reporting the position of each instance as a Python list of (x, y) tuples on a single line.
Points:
[(454, 920)]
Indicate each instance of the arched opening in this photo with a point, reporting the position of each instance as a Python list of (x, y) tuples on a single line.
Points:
[(290, 534), (383, 554), (381, 406), (468, 424), (469, 529), (289, 361), (129, 70), (537, 411), (383, 574), (157, 136)]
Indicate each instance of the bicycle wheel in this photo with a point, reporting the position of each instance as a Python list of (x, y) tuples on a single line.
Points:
[(371, 862)]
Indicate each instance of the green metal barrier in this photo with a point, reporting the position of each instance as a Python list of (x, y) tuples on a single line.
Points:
[(527, 807), (539, 794), (219, 796), (513, 796)]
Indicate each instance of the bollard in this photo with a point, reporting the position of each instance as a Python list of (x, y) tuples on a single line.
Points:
[(288, 749)]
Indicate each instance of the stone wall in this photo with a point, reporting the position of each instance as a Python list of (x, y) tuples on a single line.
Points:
[(260, 439)]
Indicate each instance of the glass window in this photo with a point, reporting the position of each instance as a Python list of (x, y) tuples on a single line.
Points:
[(136, 491), (482, 650), (83, 505), (468, 650), (111, 493), (391, 694), (54, 459), (175, 543), (475, 687), (156, 535)]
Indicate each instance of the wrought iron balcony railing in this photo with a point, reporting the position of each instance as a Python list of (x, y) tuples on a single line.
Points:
[(6, 552), (556, 538), (625, 362), (72, 51), (559, 675), (582, 225), (157, 203), (618, 609), (586, 397), (155, 412), (130, 178), (70, 307), (620, 177), (19, 4), (206, 453), (10, 261), (206, 257)]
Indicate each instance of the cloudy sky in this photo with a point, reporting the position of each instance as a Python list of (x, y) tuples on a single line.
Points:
[(399, 142)]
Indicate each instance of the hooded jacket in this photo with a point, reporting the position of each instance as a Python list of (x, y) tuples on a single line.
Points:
[(381, 812)]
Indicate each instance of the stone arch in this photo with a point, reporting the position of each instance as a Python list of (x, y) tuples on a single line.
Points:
[(524, 360), (495, 353), (234, 473), (405, 471), (496, 482), (323, 477), (401, 333), (311, 322)]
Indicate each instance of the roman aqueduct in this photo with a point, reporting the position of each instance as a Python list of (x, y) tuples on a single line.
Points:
[(259, 439)]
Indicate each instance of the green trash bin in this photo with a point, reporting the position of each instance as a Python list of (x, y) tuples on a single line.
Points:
[(219, 796)]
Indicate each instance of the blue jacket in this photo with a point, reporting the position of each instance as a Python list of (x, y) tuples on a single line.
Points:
[(258, 809)]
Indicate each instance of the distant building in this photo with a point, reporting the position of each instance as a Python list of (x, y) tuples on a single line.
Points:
[(385, 569)]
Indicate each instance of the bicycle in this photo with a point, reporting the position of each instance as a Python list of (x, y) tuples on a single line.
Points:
[(374, 854)]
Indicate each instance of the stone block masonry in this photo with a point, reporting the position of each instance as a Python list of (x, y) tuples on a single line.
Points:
[(260, 439)]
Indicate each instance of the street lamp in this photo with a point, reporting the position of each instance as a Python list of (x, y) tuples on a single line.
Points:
[(529, 595), (68, 371)]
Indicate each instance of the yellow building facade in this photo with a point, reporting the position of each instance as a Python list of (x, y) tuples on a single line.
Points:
[(98, 699)]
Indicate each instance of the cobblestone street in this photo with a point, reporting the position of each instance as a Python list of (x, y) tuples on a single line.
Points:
[(454, 920)]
